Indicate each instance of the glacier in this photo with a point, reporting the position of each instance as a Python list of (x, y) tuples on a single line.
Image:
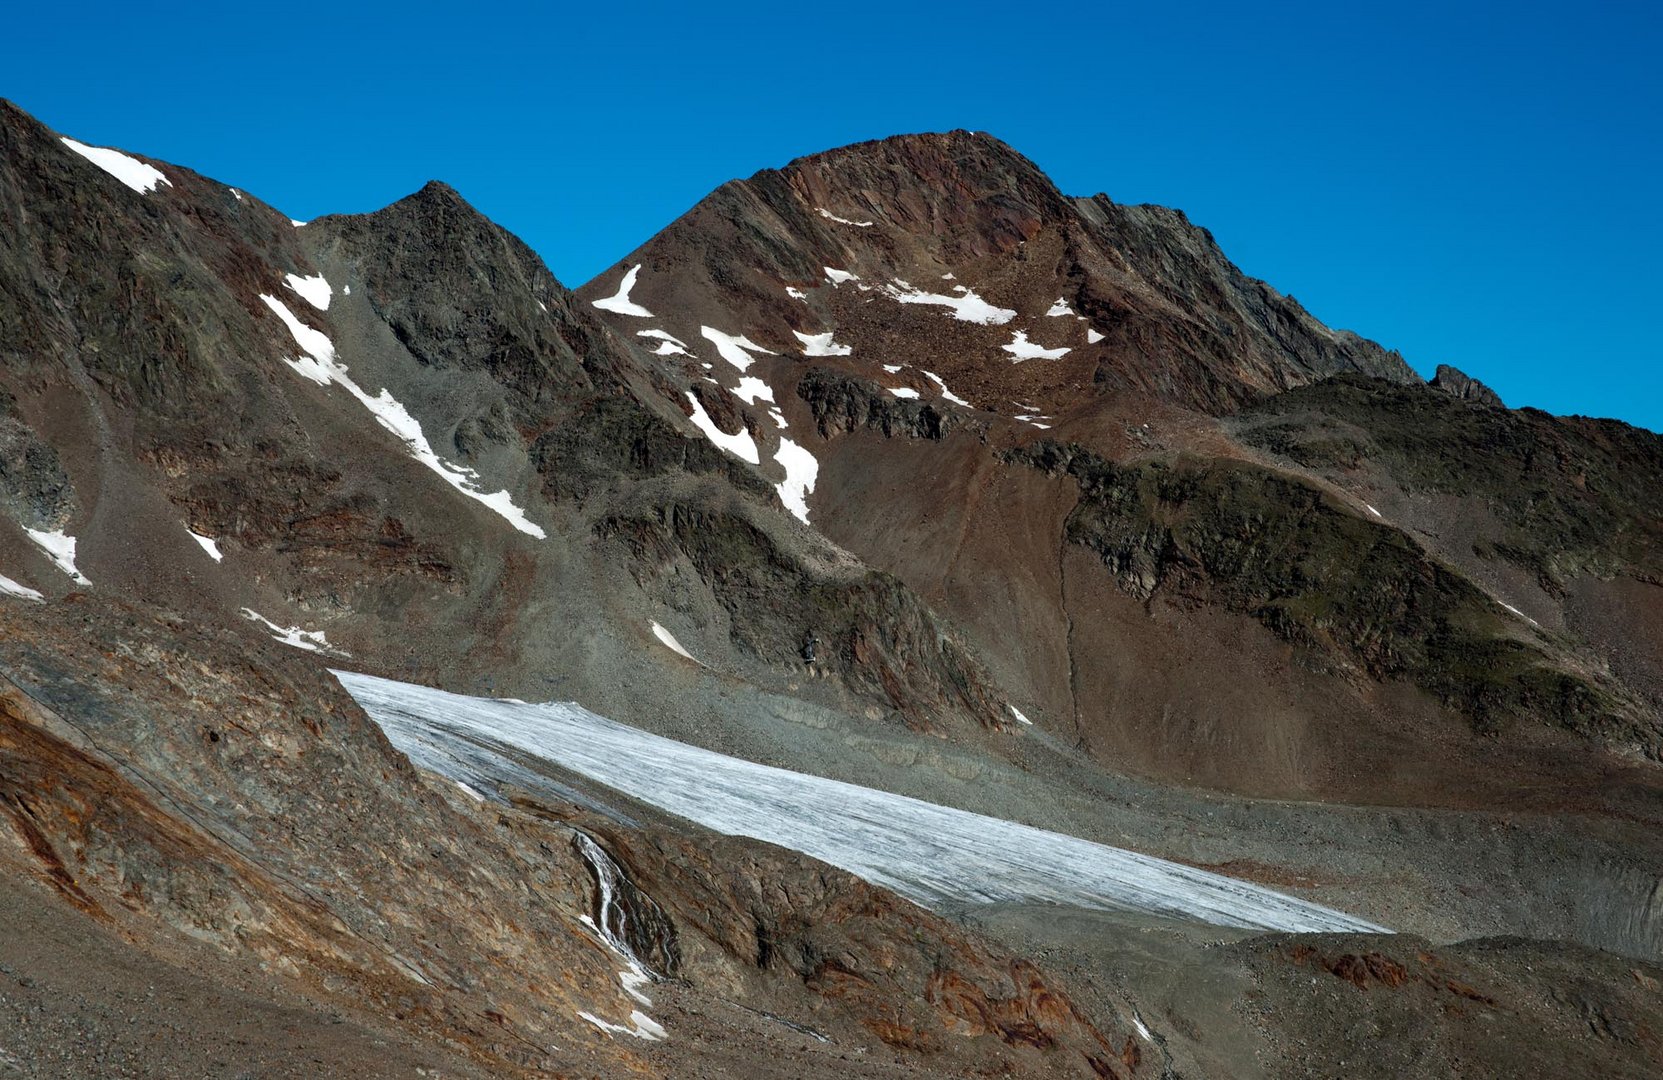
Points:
[(936, 856)]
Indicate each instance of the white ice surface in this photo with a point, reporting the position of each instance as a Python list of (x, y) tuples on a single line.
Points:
[(801, 471), (946, 393), (314, 290), (310, 640), (669, 641), (735, 350), (619, 302), (741, 446), (209, 544), (17, 589), (935, 855), (321, 366), (137, 175), (61, 547), (842, 221), (1023, 349), (822, 345), (966, 307)]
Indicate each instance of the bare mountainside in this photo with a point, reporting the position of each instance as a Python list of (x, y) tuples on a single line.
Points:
[(1091, 534)]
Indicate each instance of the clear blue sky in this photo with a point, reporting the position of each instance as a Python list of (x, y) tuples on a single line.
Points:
[(1470, 184)]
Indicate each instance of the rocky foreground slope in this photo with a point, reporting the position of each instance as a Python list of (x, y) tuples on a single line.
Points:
[(1091, 531)]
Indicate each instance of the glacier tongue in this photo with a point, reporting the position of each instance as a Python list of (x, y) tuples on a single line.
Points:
[(934, 855)]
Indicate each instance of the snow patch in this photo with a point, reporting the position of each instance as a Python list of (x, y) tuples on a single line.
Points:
[(967, 307), (61, 547), (902, 391), (778, 418), (822, 345), (946, 393), (735, 350), (1519, 613), (297, 224), (321, 366), (1092, 336), (669, 345), (838, 277), (313, 290), (947, 277), (13, 588), (893, 368), (310, 640), (470, 792), (795, 293), (1060, 308), (669, 641), (842, 221), (641, 1026), (1371, 509), (751, 389), (741, 446), (619, 302), (1023, 349), (801, 470), (137, 175), (237, 193), (209, 544), (1018, 714)]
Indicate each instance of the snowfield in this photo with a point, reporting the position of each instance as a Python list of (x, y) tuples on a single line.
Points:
[(619, 302), (137, 175), (822, 344), (801, 471), (323, 367), (966, 307), (735, 350), (1023, 349), (934, 855), (60, 546), (9, 587), (740, 444)]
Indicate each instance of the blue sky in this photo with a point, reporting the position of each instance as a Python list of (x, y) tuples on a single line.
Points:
[(1471, 184)]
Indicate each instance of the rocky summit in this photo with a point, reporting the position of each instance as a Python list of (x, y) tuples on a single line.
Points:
[(901, 621)]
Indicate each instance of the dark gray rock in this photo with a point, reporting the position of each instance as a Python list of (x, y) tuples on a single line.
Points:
[(1460, 384)]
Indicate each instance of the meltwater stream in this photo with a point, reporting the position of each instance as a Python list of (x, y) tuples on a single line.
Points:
[(934, 855)]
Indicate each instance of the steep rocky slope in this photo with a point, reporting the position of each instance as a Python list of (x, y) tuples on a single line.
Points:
[(1204, 432), (1072, 525)]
